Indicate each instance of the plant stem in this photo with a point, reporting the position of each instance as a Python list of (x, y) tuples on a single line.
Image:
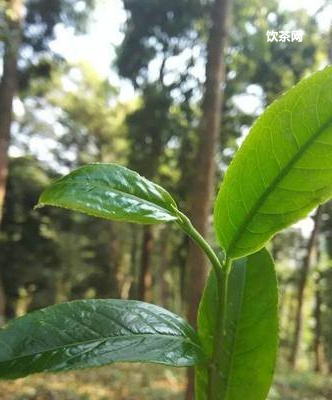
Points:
[(222, 274), (220, 329), (186, 225)]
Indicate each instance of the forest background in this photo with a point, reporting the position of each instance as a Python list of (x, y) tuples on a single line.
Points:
[(123, 81)]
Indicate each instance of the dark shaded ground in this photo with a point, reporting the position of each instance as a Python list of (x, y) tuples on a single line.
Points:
[(145, 382)]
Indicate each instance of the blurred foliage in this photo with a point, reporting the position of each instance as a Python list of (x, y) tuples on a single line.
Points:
[(71, 115), (40, 22), (60, 262), (157, 29)]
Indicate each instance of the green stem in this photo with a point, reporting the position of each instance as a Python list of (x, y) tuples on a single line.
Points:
[(186, 225), (220, 329), (222, 274)]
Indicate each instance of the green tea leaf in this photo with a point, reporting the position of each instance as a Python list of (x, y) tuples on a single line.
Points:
[(113, 192), (89, 333), (249, 351), (282, 171)]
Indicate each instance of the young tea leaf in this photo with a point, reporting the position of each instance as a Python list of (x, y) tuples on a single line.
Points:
[(248, 354), (89, 333), (282, 171), (113, 192)]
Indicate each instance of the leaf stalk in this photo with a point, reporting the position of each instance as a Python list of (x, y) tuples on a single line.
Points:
[(222, 274), (220, 329), (187, 226)]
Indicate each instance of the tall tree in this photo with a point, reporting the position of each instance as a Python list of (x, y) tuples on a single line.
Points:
[(90, 130), (155, 32), (149, 127), (33, 33), (13, 17), (326, 298), (317, 341), (203, 188), (309, 259)]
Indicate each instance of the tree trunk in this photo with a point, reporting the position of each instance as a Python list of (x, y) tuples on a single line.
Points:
[(203, 188), (145, 277), (115, 262), (318, 349), (164, 265), (134, 260), (309, 259), (8, 84), (2, 303)]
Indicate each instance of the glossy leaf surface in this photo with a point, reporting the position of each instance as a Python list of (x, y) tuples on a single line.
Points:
[(113, 192), (249, 351), (282, 171), (90, 333)]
